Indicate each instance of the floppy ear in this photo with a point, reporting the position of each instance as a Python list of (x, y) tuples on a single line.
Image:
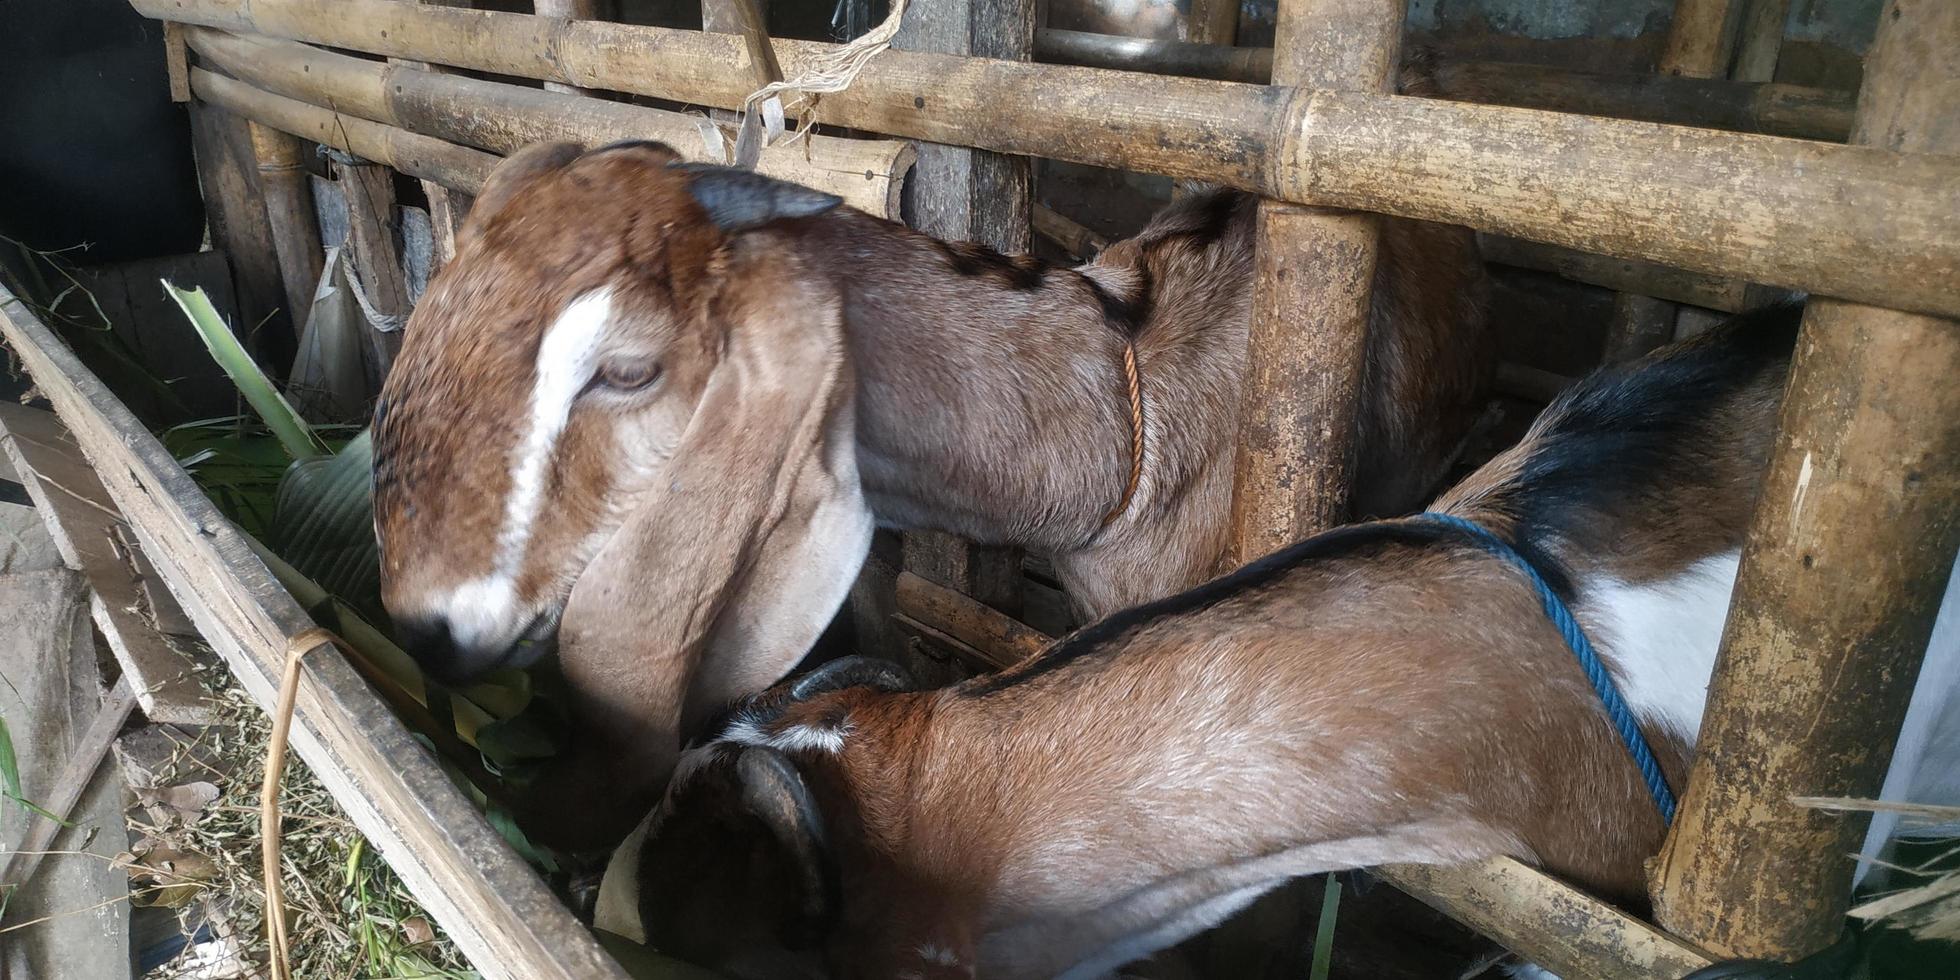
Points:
[(737, 200), (518, 171), (728, 570)]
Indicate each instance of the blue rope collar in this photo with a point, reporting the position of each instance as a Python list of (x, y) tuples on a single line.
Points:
[(1575, 639)]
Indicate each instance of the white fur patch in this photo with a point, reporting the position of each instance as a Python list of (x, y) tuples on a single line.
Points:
[(480, 611), (1661, 637), (938, 955), (796, 738)]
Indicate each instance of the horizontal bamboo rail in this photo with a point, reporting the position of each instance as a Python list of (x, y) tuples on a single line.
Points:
[(1773, 109), (1540, 917), (447, 164), (1852, 222), (501, 118)]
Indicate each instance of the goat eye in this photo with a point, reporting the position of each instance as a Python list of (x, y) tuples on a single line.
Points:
[(628, 375)]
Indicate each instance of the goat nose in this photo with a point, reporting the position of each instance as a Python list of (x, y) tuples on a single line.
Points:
[(433, 645)]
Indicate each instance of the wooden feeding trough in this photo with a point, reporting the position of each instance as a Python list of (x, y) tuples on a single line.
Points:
[(1605, 178)]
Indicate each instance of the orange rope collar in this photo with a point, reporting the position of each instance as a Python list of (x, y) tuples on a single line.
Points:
[(1136, 431)]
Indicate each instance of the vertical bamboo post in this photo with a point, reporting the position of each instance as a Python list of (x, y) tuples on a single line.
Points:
[(447, 208), (1214, 22), (1313, 273), (1761, 42), (570, 10), (1699, 42), (371, 234), (1701, 38), (234, 206), (289, 210), (970, 195), (1841, 576)]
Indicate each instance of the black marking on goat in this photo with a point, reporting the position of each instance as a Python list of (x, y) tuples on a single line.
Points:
[(1127, 315), (1022, 272), (1103, 634), (1646, 429)]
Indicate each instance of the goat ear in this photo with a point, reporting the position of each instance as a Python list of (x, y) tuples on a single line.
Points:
[(518, 171), (730, 566), (852, 671), (774, 792), (737, 200)]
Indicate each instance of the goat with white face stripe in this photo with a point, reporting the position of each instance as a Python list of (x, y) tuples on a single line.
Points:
[(637, 359)]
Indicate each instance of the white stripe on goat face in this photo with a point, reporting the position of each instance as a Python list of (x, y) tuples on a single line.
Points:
[(482, 610)]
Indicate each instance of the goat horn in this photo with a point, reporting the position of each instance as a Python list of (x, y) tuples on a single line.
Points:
[(852, 671), (774, 791)]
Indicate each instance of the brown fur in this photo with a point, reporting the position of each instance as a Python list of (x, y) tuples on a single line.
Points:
[(1406, 699), (988, 397)]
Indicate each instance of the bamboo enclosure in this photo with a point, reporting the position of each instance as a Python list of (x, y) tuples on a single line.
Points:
[(1853, 222), (1539, 160)]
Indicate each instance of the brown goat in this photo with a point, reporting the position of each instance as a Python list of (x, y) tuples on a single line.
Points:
[(1384, 692), (662, 405)]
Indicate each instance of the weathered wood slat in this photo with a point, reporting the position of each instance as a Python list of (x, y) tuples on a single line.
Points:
[(81, 519), (1853, 222), (1533, 914), (498, 912)]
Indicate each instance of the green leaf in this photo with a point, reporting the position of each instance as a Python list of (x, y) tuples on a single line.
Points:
[(10, 777), (1323, 934), (515, 740), (324, 521), (271, 406)]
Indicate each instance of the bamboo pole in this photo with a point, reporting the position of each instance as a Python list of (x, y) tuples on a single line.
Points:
[(1842, 573), (447, 207), (1214, 21), (289, 210), (569, 10), (961, 194), (1313, 279), (1762, 40), (1701, 38), (1773, 109), (1621, 275), (453, 166), (372, 228), (1856, 223), (867, 174)]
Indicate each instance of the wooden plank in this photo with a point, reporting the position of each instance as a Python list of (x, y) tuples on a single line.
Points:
[(85, 758), (82, 520), (1860, 508), (495, 908), (1313, 282), (71, 916), (1857, 223), (570, 10), (1535, 915)]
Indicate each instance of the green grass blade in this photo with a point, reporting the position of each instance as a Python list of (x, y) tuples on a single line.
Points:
[(293, 431), (1323, 934)]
